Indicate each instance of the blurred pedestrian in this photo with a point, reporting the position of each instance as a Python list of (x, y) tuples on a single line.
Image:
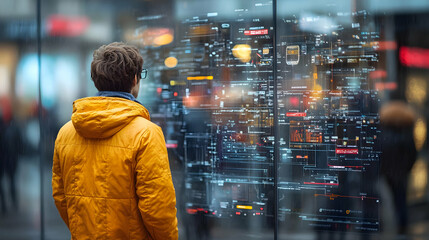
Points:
[(111, 175), (12, 149), (399, 154), (2, 165)]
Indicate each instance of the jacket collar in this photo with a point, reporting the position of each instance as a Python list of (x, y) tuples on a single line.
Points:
[(125, 95)]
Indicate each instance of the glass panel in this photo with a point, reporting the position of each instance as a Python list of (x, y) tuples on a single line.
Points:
[(345, 146), (19, 123), (328, 118), (209, 87), (215, 102), (411, 35)]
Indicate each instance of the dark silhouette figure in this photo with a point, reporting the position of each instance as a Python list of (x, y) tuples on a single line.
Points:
[(399, 154), (13, 148), (2, 166)]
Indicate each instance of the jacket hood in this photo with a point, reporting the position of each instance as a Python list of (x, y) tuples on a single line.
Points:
[(103, 117)]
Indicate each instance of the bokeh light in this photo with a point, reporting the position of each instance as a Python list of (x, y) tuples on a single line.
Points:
[(242, 52), (164, 39), (419, 179), (416, 90), (420, 131), (170, 62)]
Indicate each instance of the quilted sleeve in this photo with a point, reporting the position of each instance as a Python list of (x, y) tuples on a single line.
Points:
[(58, 188), (154, 187)]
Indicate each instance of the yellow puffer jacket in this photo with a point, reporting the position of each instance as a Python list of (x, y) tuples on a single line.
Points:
[(111, 177)]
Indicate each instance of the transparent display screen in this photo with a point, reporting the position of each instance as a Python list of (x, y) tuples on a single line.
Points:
[(272, 110)]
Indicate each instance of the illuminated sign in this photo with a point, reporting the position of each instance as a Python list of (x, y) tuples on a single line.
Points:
[(414, 57), (65, 26), (256, 32), (346, 151), (244, 207), (296, 114), (200, 78)]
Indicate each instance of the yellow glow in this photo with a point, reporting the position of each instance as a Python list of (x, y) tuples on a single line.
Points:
[(315, 75), (317, 87), (420, 131), (164, 39), (419, 178), (416, 90), (265, 51), (242, 52), (201, 30), (174, 83), (170, 62), (200, 78), (244, 207)]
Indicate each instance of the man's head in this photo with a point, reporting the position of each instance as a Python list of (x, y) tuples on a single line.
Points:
[(117, 67)]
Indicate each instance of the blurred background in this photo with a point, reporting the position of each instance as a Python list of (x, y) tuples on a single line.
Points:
[(283, 119)]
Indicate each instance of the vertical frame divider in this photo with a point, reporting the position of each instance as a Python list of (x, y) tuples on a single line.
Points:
[(40, 116), (276, 125)]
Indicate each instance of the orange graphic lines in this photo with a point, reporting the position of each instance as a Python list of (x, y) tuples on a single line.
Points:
[(200, 78), (333, 196)]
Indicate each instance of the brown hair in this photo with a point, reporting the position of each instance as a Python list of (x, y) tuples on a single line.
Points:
[(114, 66)]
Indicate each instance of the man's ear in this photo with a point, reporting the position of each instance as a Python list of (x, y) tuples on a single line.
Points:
[(135, 80)]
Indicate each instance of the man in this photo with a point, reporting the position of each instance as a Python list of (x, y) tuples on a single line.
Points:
[(111, 177)]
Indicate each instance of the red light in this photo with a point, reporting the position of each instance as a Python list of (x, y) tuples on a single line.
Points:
[(346, 151), (294, 101), (159, 90), (192, 101), (262, 209), (377, 74), (171, 145), (256, 32), (296, 114), (258, 213), (414, 57), (237, 213), (387, 45), (175, 94), (6, 106), (59, 25), (386, 85), (191, 211)]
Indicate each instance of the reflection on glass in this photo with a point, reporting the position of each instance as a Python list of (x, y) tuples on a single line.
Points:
[(416, 90), (217, 85), (19, 123), (420, 132), (210, 86), (328, 120), (419, 179)]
